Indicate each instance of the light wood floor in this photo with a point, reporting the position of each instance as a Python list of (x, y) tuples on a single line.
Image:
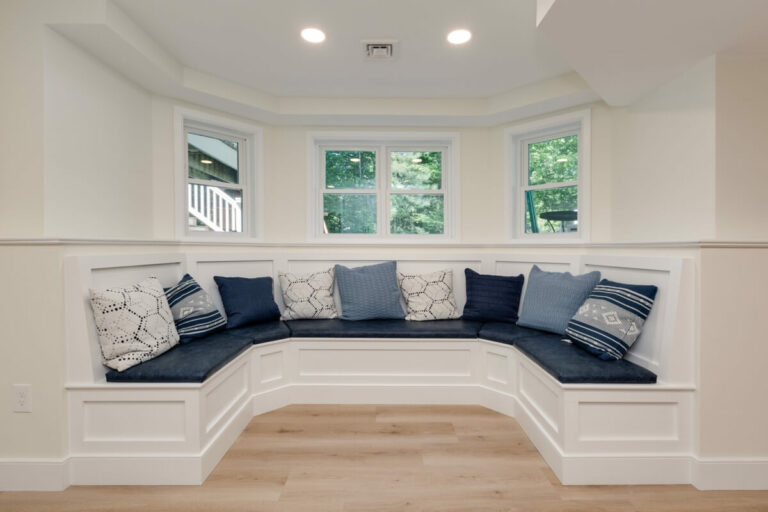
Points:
[(379, 458)]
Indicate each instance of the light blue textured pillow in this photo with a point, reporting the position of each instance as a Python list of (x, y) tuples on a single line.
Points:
[(552, 298), (369, 292)]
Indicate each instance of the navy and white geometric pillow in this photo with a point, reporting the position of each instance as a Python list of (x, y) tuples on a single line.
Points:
[(429, 296), (193, 310), (308, 296), (134, 323), (611, 318)]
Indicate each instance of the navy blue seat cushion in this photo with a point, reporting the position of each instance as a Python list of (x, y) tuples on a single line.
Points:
[(247, 300), (195, 362), (264, 332), (492, 298), (384, 328), (504, 332), (189, 362), (571, 365)]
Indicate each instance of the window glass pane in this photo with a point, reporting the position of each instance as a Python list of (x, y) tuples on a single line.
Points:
[(553, 161), (350, 169), (417, 214), (214, 209), (422, 170), (349, 213), (212, 158), (553, 210)]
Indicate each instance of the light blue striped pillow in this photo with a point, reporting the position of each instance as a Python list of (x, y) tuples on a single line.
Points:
[(552, 298), (611, 319), (194, 313)]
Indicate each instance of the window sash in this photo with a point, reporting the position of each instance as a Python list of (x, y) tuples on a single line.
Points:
[(242, 176), (384, 189), (524, 172)]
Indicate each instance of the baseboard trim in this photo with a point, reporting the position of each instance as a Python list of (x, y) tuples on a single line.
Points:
[(34, 474), (746, 474)]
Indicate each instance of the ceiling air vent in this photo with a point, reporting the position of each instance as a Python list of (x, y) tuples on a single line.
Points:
[(379, 50)]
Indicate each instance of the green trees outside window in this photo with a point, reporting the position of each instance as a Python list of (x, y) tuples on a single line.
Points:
[(413, 190), (551, 185)]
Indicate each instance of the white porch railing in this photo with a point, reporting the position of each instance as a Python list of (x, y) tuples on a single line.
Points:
[(214, 208)]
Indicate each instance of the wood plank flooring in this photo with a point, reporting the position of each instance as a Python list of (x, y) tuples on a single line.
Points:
[(332, 458)]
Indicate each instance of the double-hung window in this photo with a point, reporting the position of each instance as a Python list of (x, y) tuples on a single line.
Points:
[(217, 176), (379, 189), (550, 178)]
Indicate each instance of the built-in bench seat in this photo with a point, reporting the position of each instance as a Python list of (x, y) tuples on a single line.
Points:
[(199, 359), (171, 419), (384, 329)]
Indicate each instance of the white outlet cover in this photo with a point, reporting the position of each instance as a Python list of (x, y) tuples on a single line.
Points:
[(22, 398)]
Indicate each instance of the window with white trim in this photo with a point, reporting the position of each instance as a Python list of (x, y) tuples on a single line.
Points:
[(379, 189), (550, 176), (217, 176)]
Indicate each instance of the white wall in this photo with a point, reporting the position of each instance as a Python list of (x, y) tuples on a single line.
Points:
[(663, 162), (732, 414), (97, 147), (742, 130)]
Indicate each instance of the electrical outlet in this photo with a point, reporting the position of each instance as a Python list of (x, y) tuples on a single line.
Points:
[(21, 398)]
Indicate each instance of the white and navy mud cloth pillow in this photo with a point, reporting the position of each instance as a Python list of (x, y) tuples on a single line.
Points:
[(134, 323), (308, 296), (611, 318), (194, 313), (429, 296)]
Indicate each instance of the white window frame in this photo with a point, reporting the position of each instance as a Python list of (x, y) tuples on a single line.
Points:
[(383, 143), (249, 173), (517, 138)]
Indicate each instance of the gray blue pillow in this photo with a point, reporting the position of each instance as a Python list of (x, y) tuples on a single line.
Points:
[(369, 292), (492, 298), (247, 300), (611, 319), (552, 298), (193, 311)]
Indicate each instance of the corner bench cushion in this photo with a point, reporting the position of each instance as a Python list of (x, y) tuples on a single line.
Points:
[(384, 328), (264, 332), (504, 332), (571, 365), (195, 362)]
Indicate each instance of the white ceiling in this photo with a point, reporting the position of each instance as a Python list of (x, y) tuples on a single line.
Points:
[(256, 43), (625, 48)]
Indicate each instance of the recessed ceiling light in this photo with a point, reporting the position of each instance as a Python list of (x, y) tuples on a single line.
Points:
[(562, 159), (313, 35), (354, 160), (206, 161), (416, 160), (459, 36)]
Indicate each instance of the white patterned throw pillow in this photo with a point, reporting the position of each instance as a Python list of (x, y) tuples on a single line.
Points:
[(429, 296), (134, 323), (308, 296)]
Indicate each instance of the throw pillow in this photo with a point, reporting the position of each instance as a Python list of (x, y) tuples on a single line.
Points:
[(134, 323), (492, 298), (308, 295), (193, 311), (369, 292), (611, 318), (247, 300), (553, 298), (429, 296)]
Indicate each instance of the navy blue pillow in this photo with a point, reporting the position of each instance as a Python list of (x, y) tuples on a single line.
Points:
[(247, 300), (492, 298)]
